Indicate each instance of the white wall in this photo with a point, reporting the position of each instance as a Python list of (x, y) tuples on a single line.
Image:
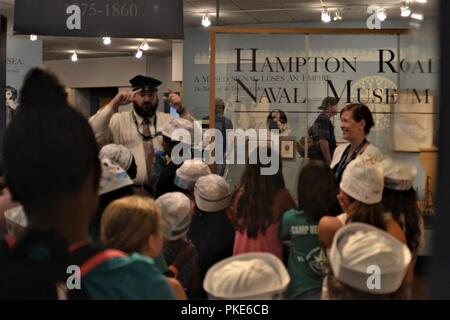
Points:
[(161, 68), (81, 101), (111, 72)]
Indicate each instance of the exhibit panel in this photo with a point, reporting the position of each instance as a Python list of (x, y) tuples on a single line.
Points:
[(257, 74), (356, 69), (21, 56), (417, 117), (261, 79), (279, 80)]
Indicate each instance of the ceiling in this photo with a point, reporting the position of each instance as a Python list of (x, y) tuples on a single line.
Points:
[(232, 12)]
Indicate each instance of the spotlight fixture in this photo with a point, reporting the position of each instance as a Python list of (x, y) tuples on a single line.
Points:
[(206, 22), (325, 16), (74, 57), (405, 10), (144, 46), (417, 16), (381, 14), (106, 41), (337, 16), (138, 54), (33, 37)]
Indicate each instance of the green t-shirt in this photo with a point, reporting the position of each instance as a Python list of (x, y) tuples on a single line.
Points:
[(129, 278), (306, 264)]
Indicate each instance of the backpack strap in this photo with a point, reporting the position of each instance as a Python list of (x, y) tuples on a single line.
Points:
[(100, 258), (88, 256), (10, 241), (85, 255), (6, 245)]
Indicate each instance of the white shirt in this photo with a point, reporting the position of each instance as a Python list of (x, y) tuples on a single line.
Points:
[(110, 126), (371, 151)]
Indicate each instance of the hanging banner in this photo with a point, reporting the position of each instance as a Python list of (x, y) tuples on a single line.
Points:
[(113, 18), (21, 56)]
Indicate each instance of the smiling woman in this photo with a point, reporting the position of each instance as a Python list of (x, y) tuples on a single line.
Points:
[(356, 122)]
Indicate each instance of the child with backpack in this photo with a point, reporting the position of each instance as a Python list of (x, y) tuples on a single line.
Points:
[(211, 231), (134, 225), (176, 210), (52, 168)]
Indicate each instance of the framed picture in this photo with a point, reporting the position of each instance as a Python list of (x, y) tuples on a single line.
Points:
[(413, 122), (287, 148)]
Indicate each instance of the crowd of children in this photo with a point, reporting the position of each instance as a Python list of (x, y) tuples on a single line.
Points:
[(199, 238)]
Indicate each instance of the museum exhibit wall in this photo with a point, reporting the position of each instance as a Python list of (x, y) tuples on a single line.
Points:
[(278, 85), (21, 56), (109, 72), (80, 75)]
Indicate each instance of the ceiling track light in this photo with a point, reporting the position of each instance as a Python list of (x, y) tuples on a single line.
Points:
[(74, 57), (337, 16), (138, 54), (144, 46), (325, 16), (206, 22), (417, 16), (106, 41), (405, 11), (381, 14), (33, 37)]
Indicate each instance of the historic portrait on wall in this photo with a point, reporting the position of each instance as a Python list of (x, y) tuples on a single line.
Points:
[(11, 103)]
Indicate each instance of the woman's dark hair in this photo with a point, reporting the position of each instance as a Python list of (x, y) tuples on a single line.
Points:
[(254, 209), (49, 150), (317, 190), (360, 112), (367, 213), (404, 210)]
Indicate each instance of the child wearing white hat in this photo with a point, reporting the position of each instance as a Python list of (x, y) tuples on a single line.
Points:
[(247, 276), (177, 131), (360, 199), (211, 230), (366, 263), (188, 174), (176, 211), (120, 155), (114, 184), (400, 200), (113, 177)]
